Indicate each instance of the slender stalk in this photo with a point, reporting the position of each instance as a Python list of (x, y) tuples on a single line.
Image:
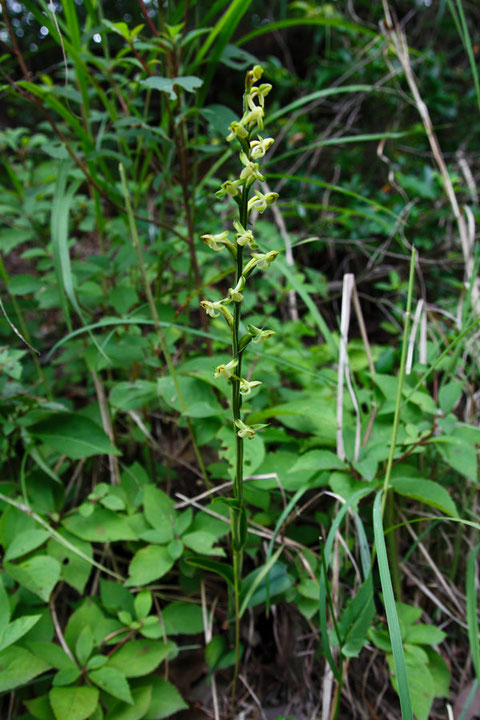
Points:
[(158, 327)]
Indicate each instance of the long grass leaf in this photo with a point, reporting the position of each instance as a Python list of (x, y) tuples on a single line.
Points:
[(391, 611), (299, 22), (471, 592)]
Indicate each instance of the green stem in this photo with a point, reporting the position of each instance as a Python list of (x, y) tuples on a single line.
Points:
[(238, 513), (158, 327)]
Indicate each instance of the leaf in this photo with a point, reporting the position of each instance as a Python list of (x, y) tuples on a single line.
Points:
[(141, 703), (357, 619), (75, 570), (426, 491), (18, 666), (449, 395), (53, 654), (420, 684), (202, 542), (25, 542), (143, 604), (73, 435), (188, 82), (133, 395), (101, 526), (225, 571), (317, 460), (4, 605), (166, 700), (74, 703), (148, 564), (158, 509), (17, 629), (112, 681), (253, 450), (183, 618), (424, 635), (440, 673), (140, 657), (84, 645), (40, 574)]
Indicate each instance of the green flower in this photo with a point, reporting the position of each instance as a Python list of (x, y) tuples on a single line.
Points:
[(237, 131), (230, 187), (243, 237), (259, 147), (258, 335), (226, 371), (251, 171), (244, 431), (260, 201), (217, 242), (246, 387), (263, 260)]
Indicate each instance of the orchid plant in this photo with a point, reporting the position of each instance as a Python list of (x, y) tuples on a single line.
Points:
[(252, 148)]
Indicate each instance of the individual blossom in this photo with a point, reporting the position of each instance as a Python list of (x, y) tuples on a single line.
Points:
[(258, 335), (211, 308), (260, 201), (226, 371), (235, 293), (230, 187), (259, 147), (251, 171), (246, 386), (243, 237), (259, 93), (253, 76), (217, 242), (254, 117), (264, 259), (260, 260), (237, 131), (244, 431)]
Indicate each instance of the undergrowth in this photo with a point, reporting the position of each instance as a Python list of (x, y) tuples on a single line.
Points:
[(160, 555)]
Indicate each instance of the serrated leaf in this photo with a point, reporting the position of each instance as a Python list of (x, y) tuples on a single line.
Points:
[(74, 703)]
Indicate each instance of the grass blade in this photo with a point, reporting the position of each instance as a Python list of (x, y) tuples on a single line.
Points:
[(472, 608), (391, 611)]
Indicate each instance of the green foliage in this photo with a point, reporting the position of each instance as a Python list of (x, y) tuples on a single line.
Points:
[(118, 451)]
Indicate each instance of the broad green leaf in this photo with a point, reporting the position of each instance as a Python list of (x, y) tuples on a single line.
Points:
[(189, 83), (449, 395), (143, 604), (84, 645), (214, 650), (53, 654), (25, 542), (199, 397), (424, 635), (74, 703), (39, 574), (141, 702), (253, 450), (4, 605), (67, 676), (460, 453), (158, 508), (133, 395), (183, 618), (18, 666), (426, 491), (115, 597), (101, 526), (316, 460), (202, 542), (166, 700), (112, 681), (420, 684), (40, 708), (356, 620), (17, 629), (148, 564), (73, 435), (140, 657), (440, 673), (75, 570)]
